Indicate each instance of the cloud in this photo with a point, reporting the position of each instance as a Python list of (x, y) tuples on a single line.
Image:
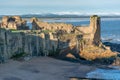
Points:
[(59, 6), (67, 3)]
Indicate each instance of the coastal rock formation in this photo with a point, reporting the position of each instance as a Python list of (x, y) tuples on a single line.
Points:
[(13, 22)]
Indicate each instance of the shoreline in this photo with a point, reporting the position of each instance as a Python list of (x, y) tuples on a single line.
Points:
[(44, 68)]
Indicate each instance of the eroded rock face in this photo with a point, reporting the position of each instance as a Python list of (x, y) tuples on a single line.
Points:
[(13, 22)]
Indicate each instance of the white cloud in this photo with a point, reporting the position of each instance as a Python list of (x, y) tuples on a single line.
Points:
[(61, 6)]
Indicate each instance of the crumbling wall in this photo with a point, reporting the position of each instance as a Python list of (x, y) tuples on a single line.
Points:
[(92, 32), (54, 27), (13, 22), (34, 44)]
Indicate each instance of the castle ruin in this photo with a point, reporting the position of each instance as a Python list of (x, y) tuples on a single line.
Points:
[(46, 38), (90, 32), (13, 22)]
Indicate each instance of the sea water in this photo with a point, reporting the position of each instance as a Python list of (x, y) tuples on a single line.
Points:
[(106, 74)]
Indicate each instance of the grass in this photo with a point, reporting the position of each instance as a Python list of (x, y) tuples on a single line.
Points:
[(46, 31), (2, 29), (93, 52), (16, 56), (14, 30)]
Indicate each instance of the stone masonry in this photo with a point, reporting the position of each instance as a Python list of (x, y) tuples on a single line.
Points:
[(13, 22)]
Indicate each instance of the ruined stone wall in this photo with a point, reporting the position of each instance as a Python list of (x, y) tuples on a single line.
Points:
[(68, 28), (60, 36), (33, 44), (91, 32), (13, 22)]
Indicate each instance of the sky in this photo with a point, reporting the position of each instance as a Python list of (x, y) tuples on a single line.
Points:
[(59, 6)]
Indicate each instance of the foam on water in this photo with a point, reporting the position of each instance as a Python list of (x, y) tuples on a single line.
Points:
[(109, 74), (114, 38), (67, 20)]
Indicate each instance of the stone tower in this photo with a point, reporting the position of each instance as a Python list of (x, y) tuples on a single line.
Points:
[(96, 34)]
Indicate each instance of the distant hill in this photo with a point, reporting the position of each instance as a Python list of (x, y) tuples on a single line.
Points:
[(54, 16), (50, 15)]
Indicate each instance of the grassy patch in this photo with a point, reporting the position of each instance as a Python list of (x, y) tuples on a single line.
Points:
[(2, 29), (16, 56), (14, 30), (46, 31)]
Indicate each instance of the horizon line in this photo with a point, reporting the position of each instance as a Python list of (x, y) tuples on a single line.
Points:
[(68, 13)]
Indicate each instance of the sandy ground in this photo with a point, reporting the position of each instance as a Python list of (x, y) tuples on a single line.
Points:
[(42, 68)]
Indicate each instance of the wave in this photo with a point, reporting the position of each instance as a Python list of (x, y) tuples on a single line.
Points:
[(66, 20), (109, 74), (110, 39), (110, 19), (77, 13)]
